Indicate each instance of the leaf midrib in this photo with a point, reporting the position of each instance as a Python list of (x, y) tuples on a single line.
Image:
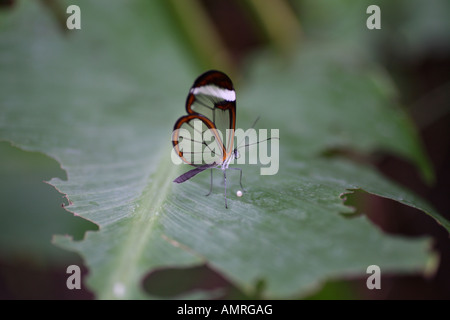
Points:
[(144, 220)]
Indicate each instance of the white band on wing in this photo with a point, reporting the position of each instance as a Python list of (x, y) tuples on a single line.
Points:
[(211, 90)]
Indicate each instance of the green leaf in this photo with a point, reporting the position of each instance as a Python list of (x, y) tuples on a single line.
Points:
[(104, 117), (102, 101)]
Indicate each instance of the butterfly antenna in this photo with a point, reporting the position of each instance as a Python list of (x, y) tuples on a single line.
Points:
[(254, 123), (250, 144), (252, 127)]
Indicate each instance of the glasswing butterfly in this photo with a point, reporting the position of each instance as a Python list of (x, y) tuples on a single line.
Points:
[(204, 138)]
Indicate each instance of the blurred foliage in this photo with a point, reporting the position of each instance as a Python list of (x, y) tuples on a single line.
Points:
[(101, 101)]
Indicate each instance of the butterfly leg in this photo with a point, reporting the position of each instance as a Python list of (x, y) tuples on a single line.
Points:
[(211, 187), (225, 180), (240, 177)]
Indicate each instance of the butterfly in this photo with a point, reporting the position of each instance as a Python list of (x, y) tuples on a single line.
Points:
[(204, 138)]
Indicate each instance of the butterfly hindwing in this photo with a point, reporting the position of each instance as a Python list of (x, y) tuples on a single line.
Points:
[(194, 141)]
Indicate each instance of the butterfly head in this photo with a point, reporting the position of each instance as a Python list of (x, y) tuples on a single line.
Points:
[(236, 153)]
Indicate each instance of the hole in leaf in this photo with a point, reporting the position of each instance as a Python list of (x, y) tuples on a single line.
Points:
[(30, 210), (352, 200), (173, 282), (31, 267)]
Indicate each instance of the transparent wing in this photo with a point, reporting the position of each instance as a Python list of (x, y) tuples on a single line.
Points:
[(196, 142), (206, 134)]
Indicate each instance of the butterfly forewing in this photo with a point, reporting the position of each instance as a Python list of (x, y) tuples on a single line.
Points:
[(206, 134)]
